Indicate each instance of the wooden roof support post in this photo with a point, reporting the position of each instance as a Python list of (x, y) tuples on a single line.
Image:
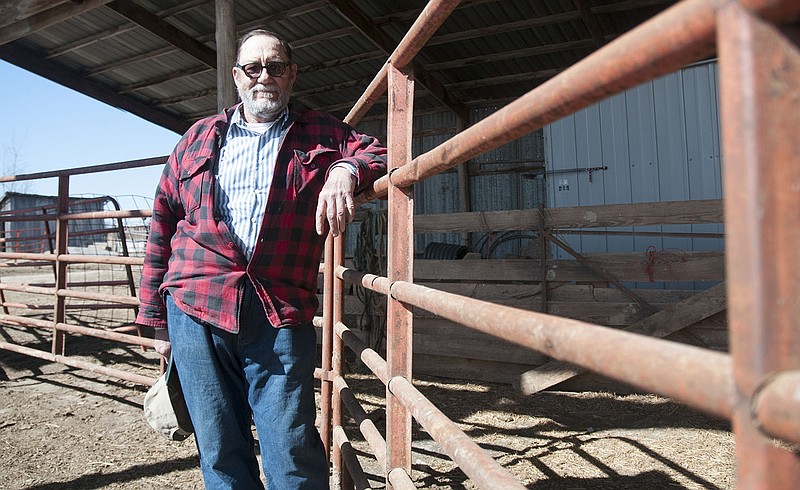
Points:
[(226, 52)]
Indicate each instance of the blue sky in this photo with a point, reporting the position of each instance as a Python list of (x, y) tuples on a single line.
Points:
[(54, 128)]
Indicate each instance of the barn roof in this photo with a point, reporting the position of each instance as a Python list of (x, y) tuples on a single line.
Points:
[(157, 59)]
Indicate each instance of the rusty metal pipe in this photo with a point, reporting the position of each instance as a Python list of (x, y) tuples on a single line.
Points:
[(777, 11), (430, 19), (776, 406), (682, 34), (365, 425), (76, 363), (759, 67), (128, 213), (145, 162), (24, 288), (473, 461), (425, 26), (400, 480), (106, 334), (99, 259), (350, 459), (368, 356), (372, 93), (123, 300), (699, 377), (326, 388), (372, 282), (23, 320), (27, 256)]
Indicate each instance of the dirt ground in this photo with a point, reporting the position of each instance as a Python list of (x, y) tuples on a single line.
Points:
[(73, 429)]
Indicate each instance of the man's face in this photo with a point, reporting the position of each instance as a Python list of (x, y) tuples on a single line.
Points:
[(265, 96)]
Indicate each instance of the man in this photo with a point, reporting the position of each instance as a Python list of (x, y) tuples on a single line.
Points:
[(231, 267)]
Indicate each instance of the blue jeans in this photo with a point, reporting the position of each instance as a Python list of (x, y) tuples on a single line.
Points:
[(262, 375)]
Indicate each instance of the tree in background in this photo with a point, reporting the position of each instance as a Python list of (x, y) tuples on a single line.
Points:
[(11, 163)]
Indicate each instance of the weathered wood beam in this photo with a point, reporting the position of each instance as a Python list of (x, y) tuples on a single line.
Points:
[(662, 323), (11, 12), (165, 31), (121, 29), (43, 18), (368, 28), (667, 266), (28, 60), (611, 215), (225, 42), (591, 22)]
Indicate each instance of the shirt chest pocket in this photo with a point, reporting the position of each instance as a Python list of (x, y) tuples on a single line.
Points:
[(194, 184), (309, 169)]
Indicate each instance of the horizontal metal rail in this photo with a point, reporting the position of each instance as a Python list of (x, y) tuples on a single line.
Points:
[(696, 376), (469, 456), (108, 167), (79, 364), (424, 27), (350, 458), (365, 425), (473, 461)]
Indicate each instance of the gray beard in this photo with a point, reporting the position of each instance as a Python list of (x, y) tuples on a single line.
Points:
[(263, 108)]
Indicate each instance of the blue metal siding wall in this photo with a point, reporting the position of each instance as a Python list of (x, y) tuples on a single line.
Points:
[(660, 142)]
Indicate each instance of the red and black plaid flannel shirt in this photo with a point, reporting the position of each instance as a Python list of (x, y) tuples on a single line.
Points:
[(191, 253)]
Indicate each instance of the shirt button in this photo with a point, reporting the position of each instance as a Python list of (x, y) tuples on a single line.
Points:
[(230, 244)]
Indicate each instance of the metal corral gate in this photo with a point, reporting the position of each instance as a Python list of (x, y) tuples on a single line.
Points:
[(756, 386)]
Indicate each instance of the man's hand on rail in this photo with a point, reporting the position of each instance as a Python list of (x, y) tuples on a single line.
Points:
[(336, 201), (162, 344)]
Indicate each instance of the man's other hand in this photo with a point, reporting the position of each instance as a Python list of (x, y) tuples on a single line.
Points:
[(162, 344)]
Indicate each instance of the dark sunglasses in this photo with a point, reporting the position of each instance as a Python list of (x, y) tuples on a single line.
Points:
[(254, 70)]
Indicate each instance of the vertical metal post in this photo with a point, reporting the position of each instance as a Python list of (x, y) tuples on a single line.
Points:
[(399, 318), (760, 94), (62, 225), (340, 473), (326, 387)]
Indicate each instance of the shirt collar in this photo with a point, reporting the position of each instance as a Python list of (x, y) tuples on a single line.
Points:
[(238, 120)]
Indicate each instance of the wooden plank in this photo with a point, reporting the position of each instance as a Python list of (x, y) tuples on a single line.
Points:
[(507, 270), (660, 324), (664, 266), (472, 369), (445, 338), (642, 214), (668, 266)]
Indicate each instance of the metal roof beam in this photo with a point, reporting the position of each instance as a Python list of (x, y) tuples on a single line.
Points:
[(165, 31), (591, 21), (24, 24)]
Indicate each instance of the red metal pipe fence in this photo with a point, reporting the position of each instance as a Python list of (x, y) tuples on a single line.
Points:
[(62, 288), (757, 385)]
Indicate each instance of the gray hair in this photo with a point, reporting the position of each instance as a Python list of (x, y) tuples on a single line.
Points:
[(263, 32)]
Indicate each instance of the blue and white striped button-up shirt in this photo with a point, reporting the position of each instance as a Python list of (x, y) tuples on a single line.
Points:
[(244, 176)]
